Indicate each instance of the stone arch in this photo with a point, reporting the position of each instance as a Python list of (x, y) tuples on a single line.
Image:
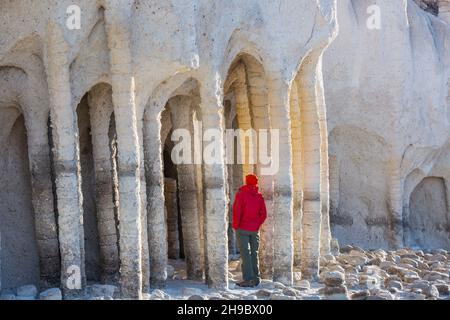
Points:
[(13, 82), (161, 94), (97, 146), (309, 136), (24, 59), (19, 257), (181, 107), (427, 224), (241, 43), (246, 108), (104, 156), (172, 106), (16, 89), (86, 163), (31, 43), (410, 183)]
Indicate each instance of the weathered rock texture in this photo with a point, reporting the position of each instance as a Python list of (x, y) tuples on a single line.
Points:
[(388, 122), (94, 111), (430, 5), (110, 89)]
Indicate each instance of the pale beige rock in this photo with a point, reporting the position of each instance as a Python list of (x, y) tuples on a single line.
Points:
[(335, 292), (362, 121), (51, 294), (333, 278), (375, 135)]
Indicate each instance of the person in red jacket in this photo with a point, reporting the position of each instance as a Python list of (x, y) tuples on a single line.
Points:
[(249, 213)]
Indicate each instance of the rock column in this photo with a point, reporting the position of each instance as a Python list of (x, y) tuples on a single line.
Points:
[(296, 137), (170, 194), (101, 107), (157, 226), (43, 202), (65, 162), (325, 229), (181, 111), (214, 180), (145, 258), (118, 34), (311, 146), (283, 187)]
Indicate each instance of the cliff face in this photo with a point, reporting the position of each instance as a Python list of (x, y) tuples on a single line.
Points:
[(389, 124), (135, 59)]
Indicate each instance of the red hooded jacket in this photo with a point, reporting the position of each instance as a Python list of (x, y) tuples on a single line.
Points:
[(249, 209)]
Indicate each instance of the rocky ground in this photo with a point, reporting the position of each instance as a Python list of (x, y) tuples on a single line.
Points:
[(353, 274)]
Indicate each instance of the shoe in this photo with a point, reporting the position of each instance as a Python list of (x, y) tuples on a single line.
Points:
[(256, 282), (246, 284)]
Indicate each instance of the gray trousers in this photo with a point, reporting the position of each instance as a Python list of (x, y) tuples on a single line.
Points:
[(249, 245)]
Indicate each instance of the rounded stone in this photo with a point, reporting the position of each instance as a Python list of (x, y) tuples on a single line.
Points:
[(335, 293), (360, 295), (442, 288), (302, 285), (277, 296), (263, 293), (333, 278), (102, 290), (27, 291), (196, 297), (394, 284), (170, 271), (431, 291), (290, 292), (51, 294), (187, 291), (158, 294)]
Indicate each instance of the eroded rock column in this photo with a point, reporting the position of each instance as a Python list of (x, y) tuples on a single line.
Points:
[(65, 162), (181, 110), (144, 218), (296, 137), (101, 108), (283, 187), (43, 202), (311, 146), (122, 80), (214, 180), (233, 176), (170, 194), (325, 229), (157, 227)]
